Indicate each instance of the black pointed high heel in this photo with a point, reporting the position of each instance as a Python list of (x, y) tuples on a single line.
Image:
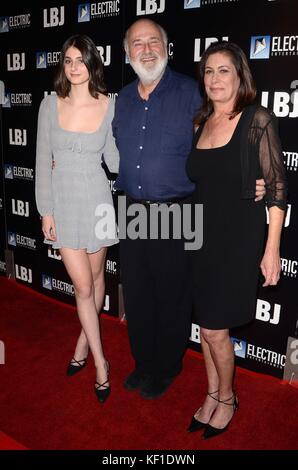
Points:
[(102, 394), (72, 369), (211, 431), (195, 424)]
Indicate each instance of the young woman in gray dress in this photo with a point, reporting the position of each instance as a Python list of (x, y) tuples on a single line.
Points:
[(74, 132)]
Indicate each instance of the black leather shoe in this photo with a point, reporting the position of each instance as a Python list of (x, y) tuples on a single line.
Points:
[(102, 394), (211, 431), (72, 369), (155, 388), (135, 380), (102, 391), (196, 425)]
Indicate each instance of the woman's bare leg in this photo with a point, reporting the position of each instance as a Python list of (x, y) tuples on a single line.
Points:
[(78, 266)]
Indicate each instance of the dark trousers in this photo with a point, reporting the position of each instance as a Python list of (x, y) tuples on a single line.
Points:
[(157, 298)]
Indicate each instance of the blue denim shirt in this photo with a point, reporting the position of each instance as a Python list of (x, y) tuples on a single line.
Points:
[(154, 137)]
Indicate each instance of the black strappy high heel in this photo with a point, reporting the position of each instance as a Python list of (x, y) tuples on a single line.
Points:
[(102, 394), (72, 369), (211, 431), (195, 424)]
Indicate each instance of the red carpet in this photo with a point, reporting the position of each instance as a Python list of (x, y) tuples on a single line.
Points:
[(43, 409)]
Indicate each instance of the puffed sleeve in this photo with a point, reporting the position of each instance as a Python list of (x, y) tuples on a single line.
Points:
[(43, 170), (272, 165), (110, 152)]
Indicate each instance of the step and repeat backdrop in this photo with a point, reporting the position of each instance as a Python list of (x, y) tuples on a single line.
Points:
[(31, 35)]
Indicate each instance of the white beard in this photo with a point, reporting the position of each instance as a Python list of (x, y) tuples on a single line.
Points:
[(147, 76)]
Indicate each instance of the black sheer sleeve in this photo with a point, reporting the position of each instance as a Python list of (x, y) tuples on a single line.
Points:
[(271, 162)]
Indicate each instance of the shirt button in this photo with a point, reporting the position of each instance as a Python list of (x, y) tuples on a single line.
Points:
[(138, 166), (141, 147), (140, 187), (143, 127)]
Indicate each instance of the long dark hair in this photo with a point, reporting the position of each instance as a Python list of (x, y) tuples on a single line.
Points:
[(91, 59), (247, 90)]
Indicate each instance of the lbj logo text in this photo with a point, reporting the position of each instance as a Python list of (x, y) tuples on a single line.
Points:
[(18, 137), (20, 208), (15, 62), (105, 54), (53, 17), (23, 273), (149, 7), (264, 313), (198, 49)]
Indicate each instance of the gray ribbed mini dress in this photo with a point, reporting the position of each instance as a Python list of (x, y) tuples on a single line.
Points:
[(76, 191)]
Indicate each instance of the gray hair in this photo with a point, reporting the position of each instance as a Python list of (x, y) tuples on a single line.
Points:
[(161, 30)]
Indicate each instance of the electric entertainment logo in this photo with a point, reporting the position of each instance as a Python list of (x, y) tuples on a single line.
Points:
[(264, 47), (204, 3), (239, 347), (41, 60), (291, 160), (6, 100), (188, 4), (111, 267), (289, 267), (50, 283), (266, 356), (260, 47), (46, 282), (8, 23), (8, 171), (18, 172), (11, 238), (83, 12), (46, 59), (4, 28), (15, 239), (17, 99), (103, 9)]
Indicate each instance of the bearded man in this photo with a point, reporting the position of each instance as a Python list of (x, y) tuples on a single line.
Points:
[(153, 127)]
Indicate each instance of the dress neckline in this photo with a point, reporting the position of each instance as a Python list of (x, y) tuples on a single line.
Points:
[(222, 146), (81, 132)]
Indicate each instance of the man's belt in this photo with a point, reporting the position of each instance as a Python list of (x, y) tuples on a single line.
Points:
[(148, 202)]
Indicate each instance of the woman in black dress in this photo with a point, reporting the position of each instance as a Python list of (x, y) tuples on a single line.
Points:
[(235, 143)]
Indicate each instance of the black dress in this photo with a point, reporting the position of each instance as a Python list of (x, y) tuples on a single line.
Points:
[(225, 270)]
